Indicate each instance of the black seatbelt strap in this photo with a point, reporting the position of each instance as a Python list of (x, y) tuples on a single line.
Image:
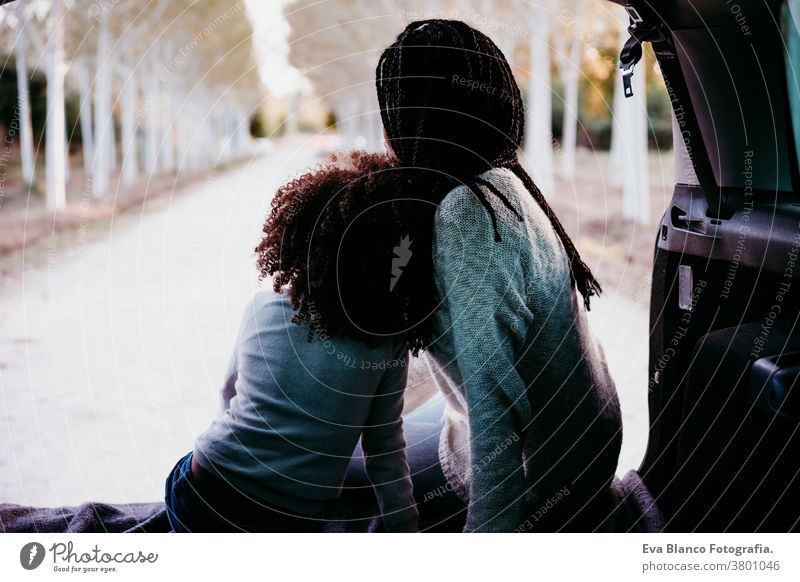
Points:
[(631, 52), (630, 55), (661, 40)]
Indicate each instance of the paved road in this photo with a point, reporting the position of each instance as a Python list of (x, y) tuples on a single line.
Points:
[(112, 348)]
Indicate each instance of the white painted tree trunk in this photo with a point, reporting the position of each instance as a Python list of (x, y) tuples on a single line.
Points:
[(539, 115), (378, 143), (224, 129), (205, 146), (292, 110), (151, 112), (130, 163), (376, 124), (507, 47), (617, 154), (351, 128), (103, 116), (183, 135), (630, 160), (112, 135), (338, 113), (233, 130), (361, 119), (242, 130), (635, 188), (348, 127), (217, 133), (569, 127), (23, 101), (373, 130), (66, 152), (85, 112), (165, 112), (55, 154)]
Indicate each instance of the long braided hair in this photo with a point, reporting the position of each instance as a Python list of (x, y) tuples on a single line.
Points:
[(451, 110), (339, 238)]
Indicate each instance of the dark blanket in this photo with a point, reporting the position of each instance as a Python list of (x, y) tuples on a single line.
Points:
[(635, 511), (86, 518), (140, 518)]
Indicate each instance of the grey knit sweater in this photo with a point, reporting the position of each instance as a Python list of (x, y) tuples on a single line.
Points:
[(531, 408), (293, 411)]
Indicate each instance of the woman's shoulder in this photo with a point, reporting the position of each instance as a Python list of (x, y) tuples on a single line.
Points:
[(461, 208), (462, 199)]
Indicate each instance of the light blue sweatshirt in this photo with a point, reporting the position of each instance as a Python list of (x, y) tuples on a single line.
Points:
[(293, 411), (531, 408)]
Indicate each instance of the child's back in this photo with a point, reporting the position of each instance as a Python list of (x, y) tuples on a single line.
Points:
[(288, 433)]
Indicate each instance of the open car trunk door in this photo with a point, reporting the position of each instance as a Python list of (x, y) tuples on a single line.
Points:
[(723, 451)]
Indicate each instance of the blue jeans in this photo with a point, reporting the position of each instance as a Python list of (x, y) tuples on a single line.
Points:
[(217, 506)]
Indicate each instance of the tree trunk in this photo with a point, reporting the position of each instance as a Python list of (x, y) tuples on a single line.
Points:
[(345, 124), (571, 75), (151, 111), (85, 113), (360, 122), (569, 126), (378, 144), (165, 112), (129, 145), (55, 154), (103, 116), (204, 148), (240, 127), (292, 107), (629, 157), (371, 120), (539, 115), (24, 104), (66, 152), (635, 188), (617, 155), (350, 125), (112, 132), (183, 135)]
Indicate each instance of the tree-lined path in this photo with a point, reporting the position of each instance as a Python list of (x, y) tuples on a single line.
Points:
[(113, 343), (112, 348)]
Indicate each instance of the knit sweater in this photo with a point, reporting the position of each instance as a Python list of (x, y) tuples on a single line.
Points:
[(531, 408), (293, 411)]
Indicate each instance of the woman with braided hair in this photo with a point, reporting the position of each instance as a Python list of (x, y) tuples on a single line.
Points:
[(443, 245), (531, 412)]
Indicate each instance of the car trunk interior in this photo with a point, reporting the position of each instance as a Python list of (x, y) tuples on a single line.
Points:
[(724, 345)]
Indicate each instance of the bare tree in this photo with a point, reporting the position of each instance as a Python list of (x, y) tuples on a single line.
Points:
[(568, 42), (629, 153), (23, 96), (539, 111), (55, 146)]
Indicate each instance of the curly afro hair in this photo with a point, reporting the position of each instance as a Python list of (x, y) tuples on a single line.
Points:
[(350, 243)]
